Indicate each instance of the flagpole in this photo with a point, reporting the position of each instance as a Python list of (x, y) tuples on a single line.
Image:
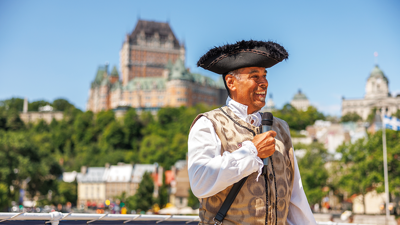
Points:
[(385, 168)]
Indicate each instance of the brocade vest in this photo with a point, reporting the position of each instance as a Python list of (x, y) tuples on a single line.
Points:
[(250, 204)]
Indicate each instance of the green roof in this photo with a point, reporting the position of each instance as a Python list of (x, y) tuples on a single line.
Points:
[(116, 85), (376, 72), (300, 96), (179, 72), (99, 76), (114, 72), (146, 83)]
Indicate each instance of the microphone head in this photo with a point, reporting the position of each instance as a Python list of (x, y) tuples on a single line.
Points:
[(267, 119)]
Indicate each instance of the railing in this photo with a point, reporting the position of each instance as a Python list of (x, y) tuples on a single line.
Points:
[(57, 218)]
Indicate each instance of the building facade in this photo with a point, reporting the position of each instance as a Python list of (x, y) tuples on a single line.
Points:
[(300, 101), (153, 74), (377, 96)]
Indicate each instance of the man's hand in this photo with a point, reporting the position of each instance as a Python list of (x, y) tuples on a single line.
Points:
[(265, 144)]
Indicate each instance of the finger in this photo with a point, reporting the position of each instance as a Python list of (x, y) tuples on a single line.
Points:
[(270, 133)]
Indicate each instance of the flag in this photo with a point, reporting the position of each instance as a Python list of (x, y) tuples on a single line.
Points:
[(391, 122)]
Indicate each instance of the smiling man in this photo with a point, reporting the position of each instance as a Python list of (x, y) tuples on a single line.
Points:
[(225, 145)]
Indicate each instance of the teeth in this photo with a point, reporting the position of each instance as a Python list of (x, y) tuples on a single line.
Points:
[(261, 93)]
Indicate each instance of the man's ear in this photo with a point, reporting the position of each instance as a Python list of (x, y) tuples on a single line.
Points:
[(230, 82)]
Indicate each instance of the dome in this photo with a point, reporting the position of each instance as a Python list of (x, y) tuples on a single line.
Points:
[(300, 96), (377, 72)]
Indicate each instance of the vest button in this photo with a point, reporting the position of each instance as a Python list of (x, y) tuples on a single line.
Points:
[(271, 177)]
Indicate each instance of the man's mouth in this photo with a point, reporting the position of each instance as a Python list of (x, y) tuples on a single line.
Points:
[(261, 95)]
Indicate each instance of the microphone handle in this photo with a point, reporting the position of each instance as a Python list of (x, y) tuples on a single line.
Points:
[(266, 128)]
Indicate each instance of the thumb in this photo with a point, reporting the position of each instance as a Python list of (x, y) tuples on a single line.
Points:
[(271, 133)]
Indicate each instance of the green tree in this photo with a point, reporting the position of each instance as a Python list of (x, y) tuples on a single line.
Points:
[(163, 196), (351, 117), (132, 127), (361, 165), (61, 105), (113, 136), (193, 201), (143, 199), (13, 103), (14, 122), (371, 115), (298, 119), (397, 114), (34, 106), (312, 169)]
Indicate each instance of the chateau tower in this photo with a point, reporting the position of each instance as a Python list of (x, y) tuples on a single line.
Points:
[(147, 50)]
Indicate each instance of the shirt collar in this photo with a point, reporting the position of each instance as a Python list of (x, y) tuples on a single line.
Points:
[(240, 110)]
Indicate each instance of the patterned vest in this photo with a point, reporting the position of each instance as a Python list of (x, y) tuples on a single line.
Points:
[(250, 204)]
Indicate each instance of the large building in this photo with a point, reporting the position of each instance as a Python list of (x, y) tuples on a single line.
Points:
[(154, 75), (377, 96), (300, 101)]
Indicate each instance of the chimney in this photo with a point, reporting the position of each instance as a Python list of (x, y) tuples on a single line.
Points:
[(25, 110), (83, 170)]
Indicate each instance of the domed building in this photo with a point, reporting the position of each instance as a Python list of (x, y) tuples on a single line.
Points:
[(300, 101), (377, 96)]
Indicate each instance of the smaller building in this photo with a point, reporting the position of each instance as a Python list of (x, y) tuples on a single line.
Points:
[(91, 186), (45, 113), (118, 180), (300, 101)]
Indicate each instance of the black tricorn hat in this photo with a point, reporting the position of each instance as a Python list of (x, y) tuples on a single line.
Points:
[(251, 53)]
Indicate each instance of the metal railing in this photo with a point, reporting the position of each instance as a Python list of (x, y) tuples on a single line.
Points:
[(57, 218)]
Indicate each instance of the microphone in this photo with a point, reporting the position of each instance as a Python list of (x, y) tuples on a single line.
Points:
[(267, 121)]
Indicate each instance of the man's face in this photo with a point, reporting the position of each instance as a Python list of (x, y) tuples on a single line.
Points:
[(251, 88)]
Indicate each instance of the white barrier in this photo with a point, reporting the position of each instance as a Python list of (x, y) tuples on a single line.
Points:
[(56, 218)]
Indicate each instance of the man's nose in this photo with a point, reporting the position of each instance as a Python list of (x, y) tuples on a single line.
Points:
[(263, 83)]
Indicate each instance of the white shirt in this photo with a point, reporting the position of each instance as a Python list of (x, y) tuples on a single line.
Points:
[(210, 173)]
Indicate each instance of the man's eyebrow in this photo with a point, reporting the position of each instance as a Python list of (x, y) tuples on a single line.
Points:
[(256, 71)]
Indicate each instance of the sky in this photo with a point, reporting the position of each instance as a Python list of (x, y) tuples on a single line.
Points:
[(52, 49)]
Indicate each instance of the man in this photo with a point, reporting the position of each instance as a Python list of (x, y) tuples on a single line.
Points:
[(225, 145)]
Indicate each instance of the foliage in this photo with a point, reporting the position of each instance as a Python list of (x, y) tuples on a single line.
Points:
[(298, 119), (163, 195), (352, 116), (193, 201), (314, 175), (371, 115), (397, 114), (361, 165), (143, 199)]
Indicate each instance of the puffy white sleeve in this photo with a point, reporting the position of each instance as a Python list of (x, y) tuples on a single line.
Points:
[(209, 172), (299, 209)]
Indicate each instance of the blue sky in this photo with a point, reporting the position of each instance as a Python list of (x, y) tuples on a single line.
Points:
[(51, 49)]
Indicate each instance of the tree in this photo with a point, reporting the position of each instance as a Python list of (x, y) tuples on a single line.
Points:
[(61, 105), (397, 114), (298, 119), (143, 199), (193, 201), (132, 127), (361, 165), (34, 106), (13, 103), (112, 136), (351, 117), (163, 196), (312, 169)]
